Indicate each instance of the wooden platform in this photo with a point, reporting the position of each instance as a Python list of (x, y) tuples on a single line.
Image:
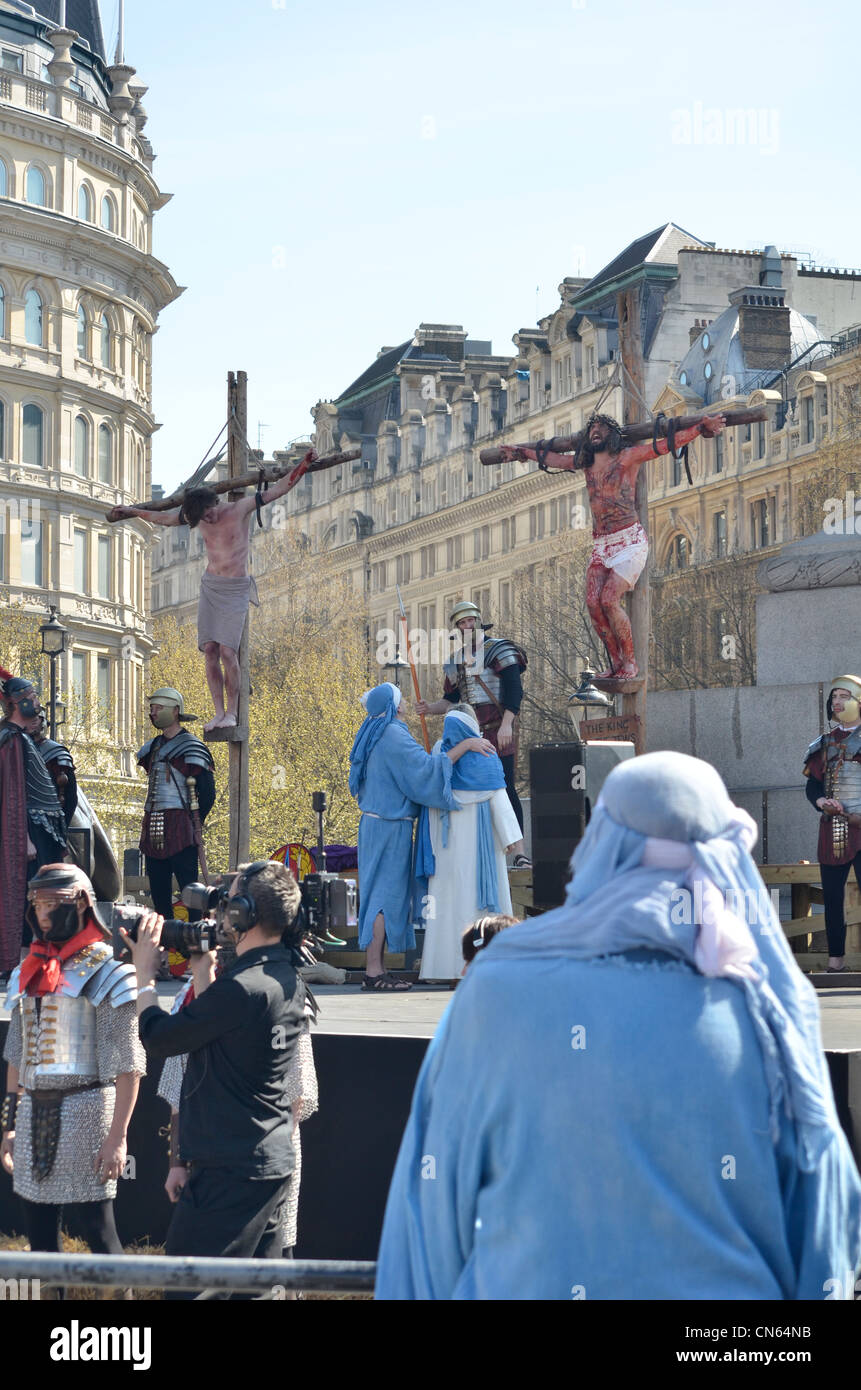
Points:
[(237, 734), (611, 686)]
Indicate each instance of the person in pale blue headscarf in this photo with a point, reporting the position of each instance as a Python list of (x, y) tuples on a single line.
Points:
[(462, 858), (392, 777), (627, 1098)]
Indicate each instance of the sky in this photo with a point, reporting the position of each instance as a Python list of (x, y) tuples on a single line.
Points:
[(343, 172)]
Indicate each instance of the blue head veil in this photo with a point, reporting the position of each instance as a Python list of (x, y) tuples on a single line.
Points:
[(619, 900), (382, 705)]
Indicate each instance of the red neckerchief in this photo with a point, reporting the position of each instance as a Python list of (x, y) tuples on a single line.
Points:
[(42, 972), (190, 995)]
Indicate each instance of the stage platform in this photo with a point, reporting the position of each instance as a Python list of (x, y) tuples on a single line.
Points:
[(368, 1049), (415, 1013)]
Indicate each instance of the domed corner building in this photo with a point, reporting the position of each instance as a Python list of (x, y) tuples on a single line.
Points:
[(750, 343), (80, 294)]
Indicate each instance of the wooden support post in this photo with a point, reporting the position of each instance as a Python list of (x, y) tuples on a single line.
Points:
[(237, 458), (639, 603)]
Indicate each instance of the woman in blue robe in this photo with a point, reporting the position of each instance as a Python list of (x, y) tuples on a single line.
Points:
[(392, 777), (627, 1097)]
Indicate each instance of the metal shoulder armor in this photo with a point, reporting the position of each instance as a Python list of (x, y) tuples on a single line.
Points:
[(501, 653), (114, 980)]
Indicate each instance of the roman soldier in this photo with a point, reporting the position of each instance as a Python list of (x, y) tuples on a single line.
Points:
[(181, 780), (74, 1064), (60, 765), (832, 766), (486, 674), (33, 827)]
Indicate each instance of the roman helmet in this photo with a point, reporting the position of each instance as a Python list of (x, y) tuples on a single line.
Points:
[(465, 609), (67, 886), (851, 713), (166, 695), (22, 693)]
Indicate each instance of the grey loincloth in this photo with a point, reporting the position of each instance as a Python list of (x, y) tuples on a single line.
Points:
[(223, 607)]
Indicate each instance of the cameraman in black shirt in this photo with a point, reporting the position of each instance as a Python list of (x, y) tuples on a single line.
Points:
[(240, 1032)]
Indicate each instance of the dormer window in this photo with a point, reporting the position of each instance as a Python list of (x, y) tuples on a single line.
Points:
[(683, 378), (709, 370), (707, 342)]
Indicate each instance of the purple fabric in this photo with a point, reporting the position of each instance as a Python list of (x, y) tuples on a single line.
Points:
[(339, 858)]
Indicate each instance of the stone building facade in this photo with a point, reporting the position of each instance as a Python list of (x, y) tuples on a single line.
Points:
[(80, 295)]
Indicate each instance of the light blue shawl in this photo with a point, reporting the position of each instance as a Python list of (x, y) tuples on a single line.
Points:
[(614, 903)]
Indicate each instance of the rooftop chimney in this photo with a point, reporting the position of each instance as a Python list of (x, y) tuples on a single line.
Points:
[(764, 327), (771, 273)]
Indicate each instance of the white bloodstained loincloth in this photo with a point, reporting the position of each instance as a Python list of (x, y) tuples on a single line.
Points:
[(624, 552), (223, 607)]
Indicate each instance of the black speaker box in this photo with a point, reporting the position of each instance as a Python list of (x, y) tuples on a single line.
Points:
[(565, 781)]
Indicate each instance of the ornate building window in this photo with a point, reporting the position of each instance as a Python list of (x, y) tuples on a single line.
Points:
[(106, 455), (103, 678), (80, 544), (105, 345), (82, 446), (32, 443), (719, 533), (83, 335), (85, 203), (33, 318), (2, 312), (809, 425), (103, 577), (109, 214), (678, 556), (3, 450), (35, 186), (31, 553), (4, 179)]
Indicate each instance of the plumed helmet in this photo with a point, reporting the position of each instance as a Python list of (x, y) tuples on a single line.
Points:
[(464, 609), (16, 685)]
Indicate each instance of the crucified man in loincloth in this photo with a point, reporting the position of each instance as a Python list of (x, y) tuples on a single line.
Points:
[(621, 546), (226, 588)]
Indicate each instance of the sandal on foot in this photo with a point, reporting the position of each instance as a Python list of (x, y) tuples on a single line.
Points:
[(520, 861), (385, 984)]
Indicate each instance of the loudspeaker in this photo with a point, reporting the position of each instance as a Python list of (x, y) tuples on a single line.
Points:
[(565, 781)]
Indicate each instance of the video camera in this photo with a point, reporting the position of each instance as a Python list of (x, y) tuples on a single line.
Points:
[(188, 938)]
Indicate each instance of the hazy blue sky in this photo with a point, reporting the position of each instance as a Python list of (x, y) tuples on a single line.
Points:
[(342, 172)]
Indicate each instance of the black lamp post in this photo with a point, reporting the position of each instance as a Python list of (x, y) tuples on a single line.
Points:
[(586, 696), (53, 645), (397, 667)]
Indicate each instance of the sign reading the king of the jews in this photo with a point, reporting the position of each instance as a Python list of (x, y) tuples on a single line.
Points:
[(623, 726)]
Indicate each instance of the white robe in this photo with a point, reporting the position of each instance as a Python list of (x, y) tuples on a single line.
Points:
[(452, 889)]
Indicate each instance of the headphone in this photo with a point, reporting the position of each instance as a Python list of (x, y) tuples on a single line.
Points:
[(240, 911)]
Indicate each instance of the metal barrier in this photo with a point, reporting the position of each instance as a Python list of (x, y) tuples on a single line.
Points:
[(191, 1272)]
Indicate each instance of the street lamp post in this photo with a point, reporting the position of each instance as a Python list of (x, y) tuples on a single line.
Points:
[(397, 667), (53, 645), (585, 697)]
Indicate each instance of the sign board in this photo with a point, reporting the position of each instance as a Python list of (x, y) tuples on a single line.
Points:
[(622, 726)]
